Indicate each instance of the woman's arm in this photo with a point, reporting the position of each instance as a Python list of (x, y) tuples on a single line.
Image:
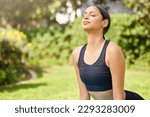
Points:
[(116, 63), (84, 95)]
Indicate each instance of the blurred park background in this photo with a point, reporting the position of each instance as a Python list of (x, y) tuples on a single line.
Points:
[(37, 38)]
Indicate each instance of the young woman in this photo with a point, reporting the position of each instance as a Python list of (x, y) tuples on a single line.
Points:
[(100, 64)]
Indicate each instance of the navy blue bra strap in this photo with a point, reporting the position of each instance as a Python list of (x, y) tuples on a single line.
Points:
[(104, 50), (81, 55)]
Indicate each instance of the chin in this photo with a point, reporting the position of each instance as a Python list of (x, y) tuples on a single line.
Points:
[(86, 28)]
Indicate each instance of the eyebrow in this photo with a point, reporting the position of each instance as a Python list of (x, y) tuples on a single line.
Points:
[(89, 12)]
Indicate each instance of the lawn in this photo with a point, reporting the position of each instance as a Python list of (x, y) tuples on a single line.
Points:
[(59, 83)]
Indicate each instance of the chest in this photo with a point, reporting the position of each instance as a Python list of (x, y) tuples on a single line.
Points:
[(95, 74), (91, 57)]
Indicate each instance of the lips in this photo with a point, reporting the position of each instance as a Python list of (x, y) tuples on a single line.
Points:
[(85, 22)]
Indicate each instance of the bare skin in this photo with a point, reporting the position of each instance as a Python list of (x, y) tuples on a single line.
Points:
[(93, 24)]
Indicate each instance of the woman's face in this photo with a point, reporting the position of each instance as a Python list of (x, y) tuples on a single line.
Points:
[(92, 19)]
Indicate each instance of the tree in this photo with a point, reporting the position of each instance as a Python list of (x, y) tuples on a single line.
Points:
[(21, 12)]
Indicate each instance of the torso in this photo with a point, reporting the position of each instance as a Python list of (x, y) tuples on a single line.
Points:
[(106, 94)]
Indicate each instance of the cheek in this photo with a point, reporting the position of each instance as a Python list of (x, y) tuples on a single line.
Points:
[(97, 23)]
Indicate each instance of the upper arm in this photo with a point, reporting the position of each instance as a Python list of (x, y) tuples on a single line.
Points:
[(82, 88), (116, 63)]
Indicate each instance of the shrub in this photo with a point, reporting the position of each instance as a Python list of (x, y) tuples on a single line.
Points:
[(55, 45), (130, 35), (14, 50), (142, 63)]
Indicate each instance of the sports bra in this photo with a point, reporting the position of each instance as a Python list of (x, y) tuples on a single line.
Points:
[(97, 76)]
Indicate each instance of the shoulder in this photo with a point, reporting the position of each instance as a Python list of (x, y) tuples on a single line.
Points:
[(113, 48), (114, 53), (76, 53)]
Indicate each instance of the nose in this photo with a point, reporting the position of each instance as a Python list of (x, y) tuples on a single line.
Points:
[(86, 16)]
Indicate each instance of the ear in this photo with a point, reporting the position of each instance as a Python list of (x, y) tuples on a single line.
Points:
[(105, 23)]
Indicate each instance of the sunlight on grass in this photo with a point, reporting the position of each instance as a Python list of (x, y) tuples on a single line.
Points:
[(139, 82), (59, 83), (56, 83)]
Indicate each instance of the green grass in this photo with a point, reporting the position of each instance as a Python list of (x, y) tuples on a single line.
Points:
[(139, 82), (59, 83)]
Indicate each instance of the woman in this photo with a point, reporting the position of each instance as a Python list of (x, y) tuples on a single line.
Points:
[(100, 64)]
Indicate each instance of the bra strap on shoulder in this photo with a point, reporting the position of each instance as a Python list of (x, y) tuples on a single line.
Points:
[(81, 55)]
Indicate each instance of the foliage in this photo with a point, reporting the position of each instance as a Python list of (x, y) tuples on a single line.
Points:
[(142, 63), (37, 13), (48, 47), (25, 13), (130, 35), (55, 44), (139, 34), (14, 49), (142, 10), (19, 12)]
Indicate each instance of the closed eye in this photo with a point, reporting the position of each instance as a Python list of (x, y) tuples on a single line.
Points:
[(90, 13), (93, 15)]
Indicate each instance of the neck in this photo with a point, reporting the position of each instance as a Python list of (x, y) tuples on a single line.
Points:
[(95, 40)]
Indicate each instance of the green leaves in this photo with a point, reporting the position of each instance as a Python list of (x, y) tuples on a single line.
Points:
[(32, 13), (131, 35), (14, 49), (54, 45), (141, 9)]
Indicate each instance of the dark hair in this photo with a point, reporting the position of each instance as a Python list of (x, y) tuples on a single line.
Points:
[(105, 15)]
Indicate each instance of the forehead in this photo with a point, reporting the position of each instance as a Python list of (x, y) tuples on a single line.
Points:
[(92, 9)]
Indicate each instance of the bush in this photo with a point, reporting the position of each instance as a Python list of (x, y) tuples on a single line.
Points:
[(130, 35), (14, 50), (46, 47), (142, 63), (55, 45)]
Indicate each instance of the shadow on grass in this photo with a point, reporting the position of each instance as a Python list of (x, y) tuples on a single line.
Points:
[(35, 72), (21, 86)]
